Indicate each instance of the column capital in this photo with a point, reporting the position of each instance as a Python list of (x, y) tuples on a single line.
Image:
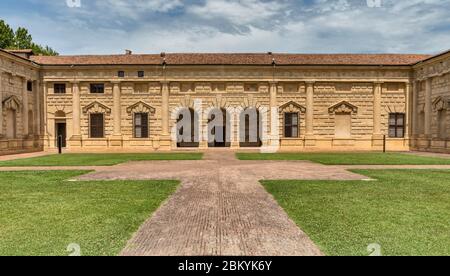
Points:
[(378, 82), (165, 82), (310, 82), (75, 82), (116, 82), (273, 82)]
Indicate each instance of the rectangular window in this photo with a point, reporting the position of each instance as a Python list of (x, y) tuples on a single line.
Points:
[(97, 129), (59, 88), (121, 74), (141, 74), (396, 125), (29, 86), (291, 125), (97, 88), (141, 125)]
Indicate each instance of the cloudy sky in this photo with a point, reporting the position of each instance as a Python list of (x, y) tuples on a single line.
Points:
[(302, 26)]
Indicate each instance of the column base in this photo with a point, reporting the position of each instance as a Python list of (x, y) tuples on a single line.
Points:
[(378, 140), (116, 141), (310, 140), (164, 143), (75, 141), (235, 145)]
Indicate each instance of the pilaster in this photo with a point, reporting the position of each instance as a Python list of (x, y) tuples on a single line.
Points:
[(310, 139)]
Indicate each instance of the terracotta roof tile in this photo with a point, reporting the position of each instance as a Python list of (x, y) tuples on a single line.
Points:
[(234, 59)]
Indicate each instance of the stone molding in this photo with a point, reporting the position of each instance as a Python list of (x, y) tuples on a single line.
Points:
[(141, 107), (96, 107), (292, 107), (343, 107), (12, 102)]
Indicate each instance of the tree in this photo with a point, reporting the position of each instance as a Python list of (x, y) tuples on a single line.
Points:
[(21, 39), (45, 51), (6, 35)]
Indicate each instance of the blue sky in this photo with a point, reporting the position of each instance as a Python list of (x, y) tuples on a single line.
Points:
[(302, 26)]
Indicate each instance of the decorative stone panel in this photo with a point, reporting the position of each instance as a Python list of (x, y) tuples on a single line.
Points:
[(97, 107), (343, 107), (140, 107)]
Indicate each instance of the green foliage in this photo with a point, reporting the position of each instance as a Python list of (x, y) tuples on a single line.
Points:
[(6, 35), (21, 39)]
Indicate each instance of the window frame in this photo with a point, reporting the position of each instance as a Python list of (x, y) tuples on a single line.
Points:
[(55, 90), (397, 126), (291, 126), (91, 126), (121, 74), (141, 74), (95, 86), (142, 125)]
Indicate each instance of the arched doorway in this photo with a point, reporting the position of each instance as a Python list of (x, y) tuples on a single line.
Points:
[(219, 126), (188, 129), (250, 128)]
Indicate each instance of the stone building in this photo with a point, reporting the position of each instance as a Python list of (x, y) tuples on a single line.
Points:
[(301, 102)]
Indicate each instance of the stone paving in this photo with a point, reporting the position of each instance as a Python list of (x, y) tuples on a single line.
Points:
[(220, 207)]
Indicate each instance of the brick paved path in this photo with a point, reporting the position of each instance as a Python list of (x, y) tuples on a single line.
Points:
[(221, 208)]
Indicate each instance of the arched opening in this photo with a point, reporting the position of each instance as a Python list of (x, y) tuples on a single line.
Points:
[(219, 125), (250, 128), (11, 124), (188, 129), (60, 128)]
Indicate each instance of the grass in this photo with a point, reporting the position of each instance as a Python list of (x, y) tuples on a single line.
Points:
[(42, 213), (407, 212), (370, 158), (107, 159)]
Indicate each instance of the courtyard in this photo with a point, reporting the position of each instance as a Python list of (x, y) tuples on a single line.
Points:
[(223, 203)]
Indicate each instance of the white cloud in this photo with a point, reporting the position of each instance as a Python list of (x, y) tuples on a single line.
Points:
[(134, 8), (238, 12), (419, 27)]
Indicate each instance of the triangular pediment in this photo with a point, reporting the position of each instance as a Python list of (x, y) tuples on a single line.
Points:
[(12, 102), (440, 103), (343, 107), (141, 107), (292, 107), (96, 107)]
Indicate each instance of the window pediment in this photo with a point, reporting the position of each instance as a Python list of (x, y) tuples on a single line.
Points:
[(292, 107), (440, 104), (141, 107), (343, 107), (96, 107), (12, 102)]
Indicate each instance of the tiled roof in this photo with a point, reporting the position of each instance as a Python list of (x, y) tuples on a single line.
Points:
[(233, 59)]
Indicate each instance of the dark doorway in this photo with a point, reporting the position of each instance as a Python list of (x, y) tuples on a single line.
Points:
[(187, 130), (61, 131), (250, 127), (218, 124)]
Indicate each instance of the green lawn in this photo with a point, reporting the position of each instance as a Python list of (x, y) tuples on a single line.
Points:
[(407, 212), (369, 158), (42, 213), (106, 159)]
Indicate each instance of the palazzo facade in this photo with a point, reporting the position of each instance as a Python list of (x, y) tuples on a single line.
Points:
[(302, 102)]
